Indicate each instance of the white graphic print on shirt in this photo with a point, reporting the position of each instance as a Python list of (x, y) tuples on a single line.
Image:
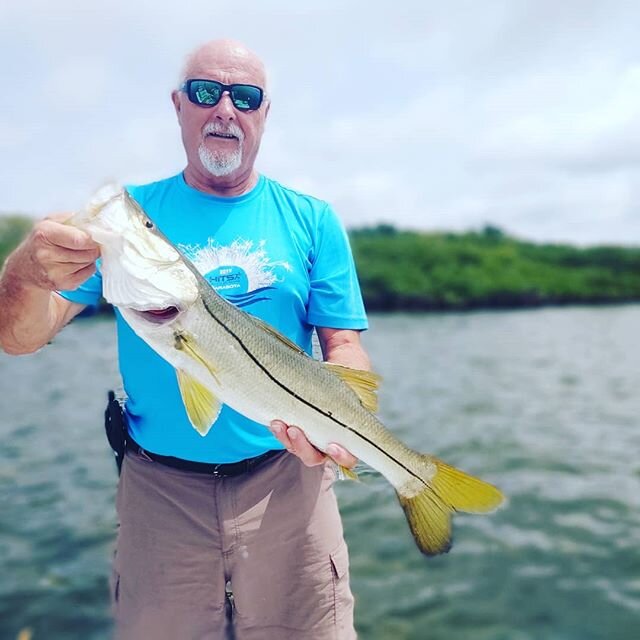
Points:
[(238, 272)]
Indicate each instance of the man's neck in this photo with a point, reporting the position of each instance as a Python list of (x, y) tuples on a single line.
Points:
[(225, 186)]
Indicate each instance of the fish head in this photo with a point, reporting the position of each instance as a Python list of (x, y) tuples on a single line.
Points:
[(141, 269)]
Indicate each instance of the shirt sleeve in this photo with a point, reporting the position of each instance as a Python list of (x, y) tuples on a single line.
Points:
[(335, 299), (89, 292)]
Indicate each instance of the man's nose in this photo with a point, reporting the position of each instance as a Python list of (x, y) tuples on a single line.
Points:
[(225, 110)]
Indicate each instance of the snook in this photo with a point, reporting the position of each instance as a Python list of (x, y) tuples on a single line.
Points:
[(224, 355)]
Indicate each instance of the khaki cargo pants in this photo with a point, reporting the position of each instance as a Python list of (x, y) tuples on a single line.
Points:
[(272, 536)]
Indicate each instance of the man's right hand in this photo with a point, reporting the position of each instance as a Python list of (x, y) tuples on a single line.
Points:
[(53, 256)]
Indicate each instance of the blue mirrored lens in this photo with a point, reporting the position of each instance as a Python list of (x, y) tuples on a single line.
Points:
[(246, 97), (205, 92)]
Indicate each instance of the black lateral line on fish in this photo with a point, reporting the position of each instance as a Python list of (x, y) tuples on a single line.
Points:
[(209, 288), (295, 395)]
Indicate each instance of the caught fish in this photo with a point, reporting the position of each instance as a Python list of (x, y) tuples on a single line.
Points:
[(222, 354)]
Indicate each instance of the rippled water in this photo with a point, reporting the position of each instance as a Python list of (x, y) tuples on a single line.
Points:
[(543, 403)]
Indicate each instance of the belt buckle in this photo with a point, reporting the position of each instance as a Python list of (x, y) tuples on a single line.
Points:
[(215, 472)]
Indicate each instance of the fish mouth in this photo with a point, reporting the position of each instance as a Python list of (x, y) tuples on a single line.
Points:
[(159, 316)]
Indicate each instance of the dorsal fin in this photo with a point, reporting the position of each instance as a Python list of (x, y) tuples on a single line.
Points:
[(364, 383), (276, 334)]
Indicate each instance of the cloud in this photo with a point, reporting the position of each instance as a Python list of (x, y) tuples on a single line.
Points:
[(520, 113)]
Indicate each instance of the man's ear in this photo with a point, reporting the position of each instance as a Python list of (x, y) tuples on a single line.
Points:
[(175, 98)]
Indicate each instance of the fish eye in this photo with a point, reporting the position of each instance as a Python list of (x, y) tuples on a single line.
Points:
[(148, 224)]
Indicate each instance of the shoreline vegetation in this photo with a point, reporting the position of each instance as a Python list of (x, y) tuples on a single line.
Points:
[(487, 269)]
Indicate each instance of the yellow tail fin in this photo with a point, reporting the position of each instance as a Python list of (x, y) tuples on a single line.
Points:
[(447, 491)]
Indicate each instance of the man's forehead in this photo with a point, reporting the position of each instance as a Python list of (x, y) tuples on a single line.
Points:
[(227, 63)]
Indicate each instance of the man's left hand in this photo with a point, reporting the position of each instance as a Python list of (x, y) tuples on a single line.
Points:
[(296, 442), (340, 346)]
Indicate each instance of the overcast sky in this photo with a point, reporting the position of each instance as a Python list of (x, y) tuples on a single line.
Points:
[(431, 115)]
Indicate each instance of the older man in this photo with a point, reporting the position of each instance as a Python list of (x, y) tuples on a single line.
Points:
[(233, 510)]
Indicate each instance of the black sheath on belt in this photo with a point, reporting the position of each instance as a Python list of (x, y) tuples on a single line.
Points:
[(115, 425)]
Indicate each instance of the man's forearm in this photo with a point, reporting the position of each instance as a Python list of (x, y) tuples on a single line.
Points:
[(343, 346), (28, 314), (349, 355)]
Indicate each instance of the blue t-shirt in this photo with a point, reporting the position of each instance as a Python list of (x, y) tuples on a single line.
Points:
[(278, 254)]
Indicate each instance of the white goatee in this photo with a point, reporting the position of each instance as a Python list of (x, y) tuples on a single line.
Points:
[(221, 163)]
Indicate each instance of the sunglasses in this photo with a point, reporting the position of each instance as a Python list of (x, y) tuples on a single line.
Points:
[(207, 93)]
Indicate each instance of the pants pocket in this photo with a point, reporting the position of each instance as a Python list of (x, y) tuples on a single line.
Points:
[(342, 596), (114, 590)]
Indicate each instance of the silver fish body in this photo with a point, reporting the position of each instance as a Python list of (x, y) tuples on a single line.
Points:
[(224, 355)]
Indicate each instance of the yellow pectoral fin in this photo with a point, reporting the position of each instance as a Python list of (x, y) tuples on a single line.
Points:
[(364, 383), (203, 408)]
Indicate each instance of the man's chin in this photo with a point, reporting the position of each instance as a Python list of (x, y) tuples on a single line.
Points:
[(219, 165)]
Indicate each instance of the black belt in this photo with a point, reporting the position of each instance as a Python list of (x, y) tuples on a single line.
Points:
[(223, 470)]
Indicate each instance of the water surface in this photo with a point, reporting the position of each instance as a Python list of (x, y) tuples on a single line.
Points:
[(543, 403)]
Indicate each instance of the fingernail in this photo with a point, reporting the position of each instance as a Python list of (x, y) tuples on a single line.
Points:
[(293, 433), (275, 427), (332, 450)]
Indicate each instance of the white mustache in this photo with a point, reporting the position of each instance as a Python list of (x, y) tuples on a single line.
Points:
[(231, 129)]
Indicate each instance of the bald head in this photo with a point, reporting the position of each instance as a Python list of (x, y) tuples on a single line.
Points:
[(224, 57)]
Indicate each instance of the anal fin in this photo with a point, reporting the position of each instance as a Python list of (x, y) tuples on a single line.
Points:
[(344, 473)]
